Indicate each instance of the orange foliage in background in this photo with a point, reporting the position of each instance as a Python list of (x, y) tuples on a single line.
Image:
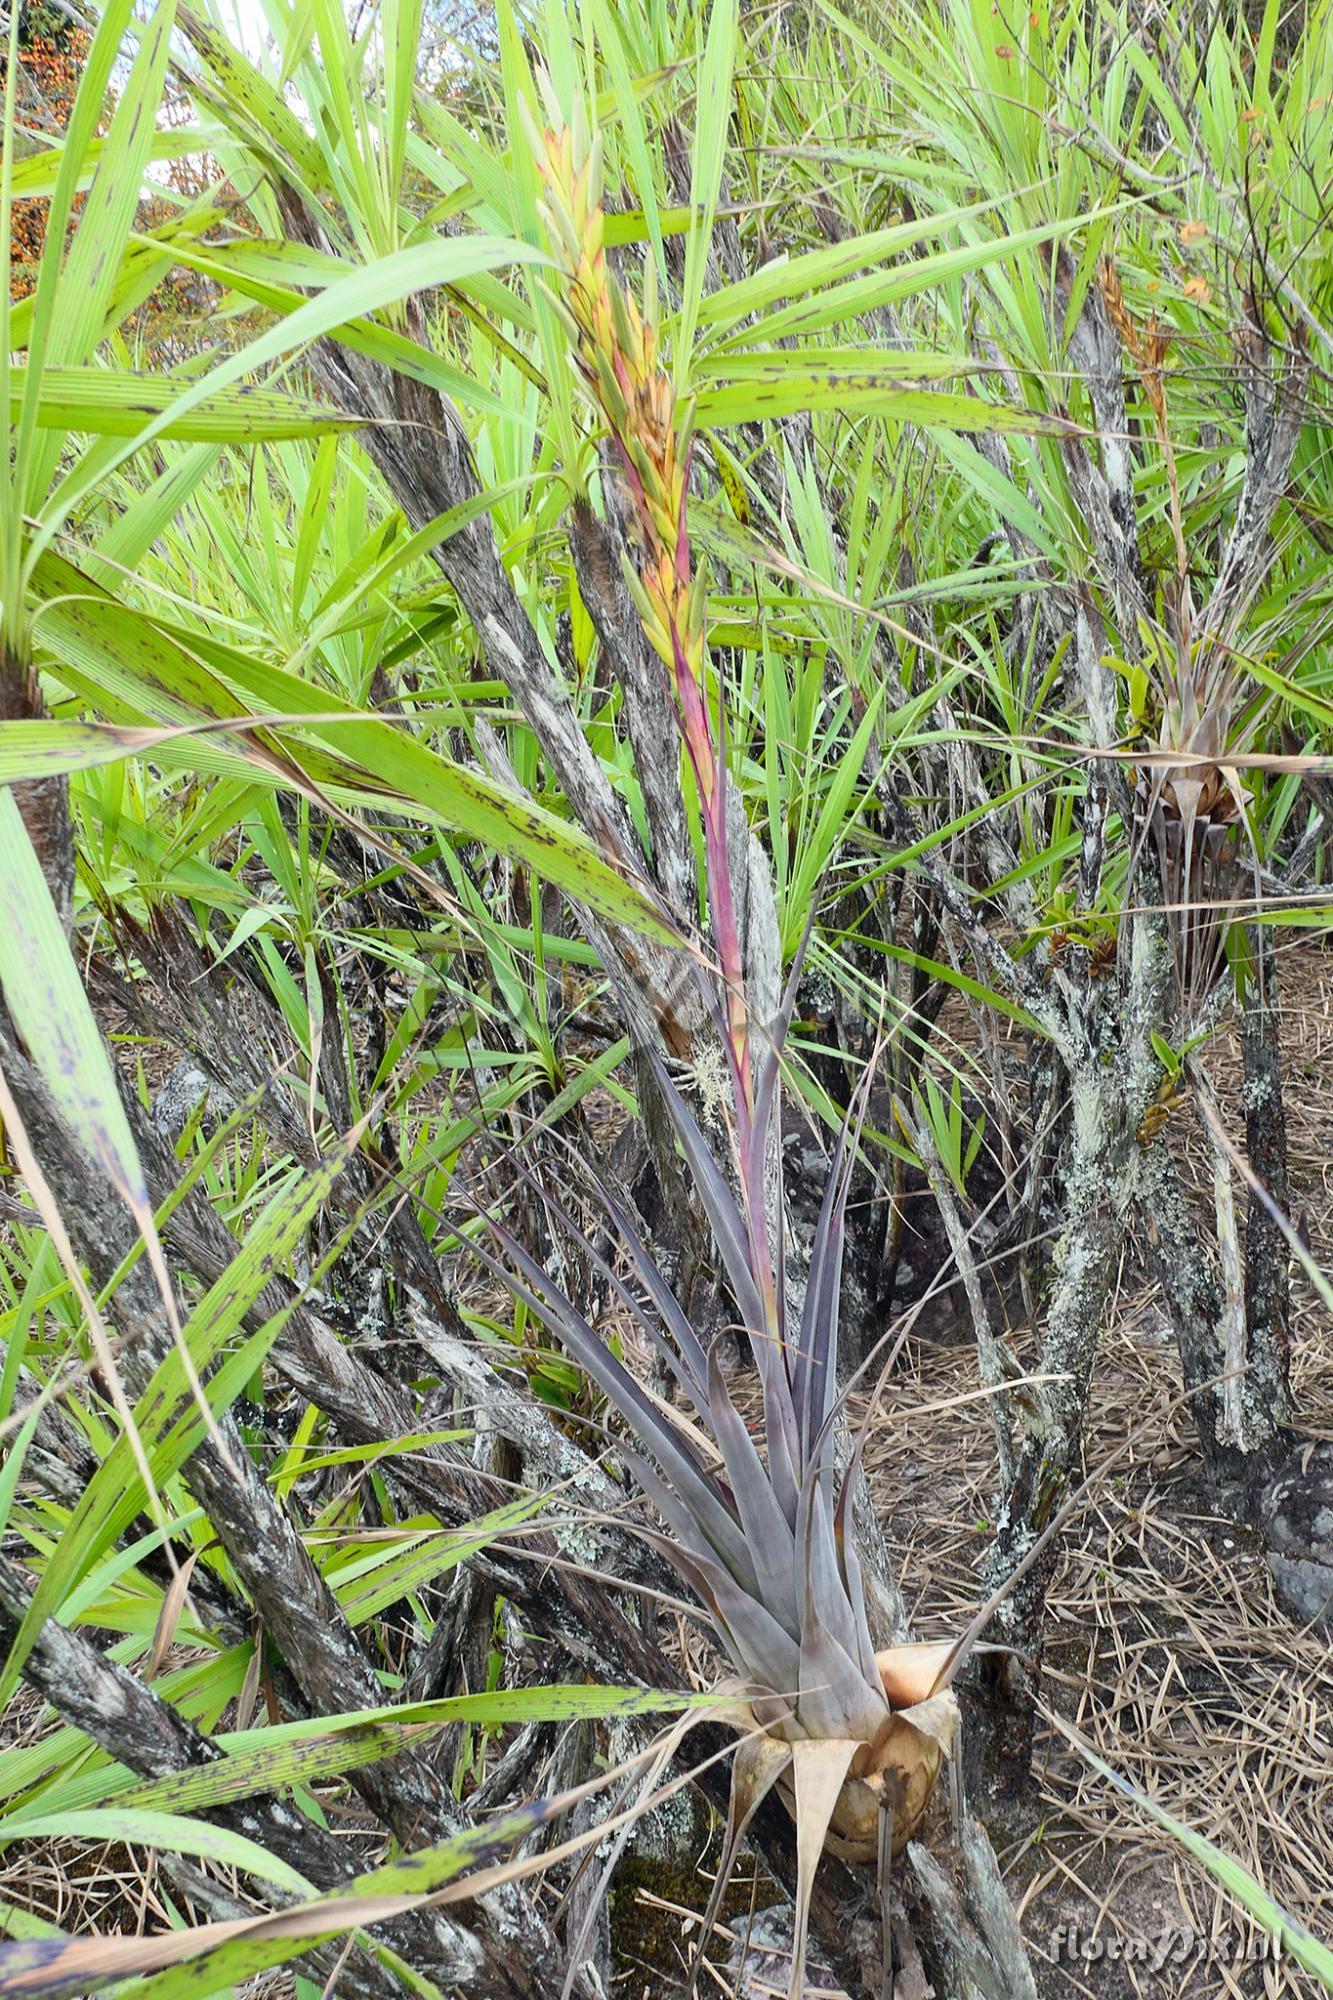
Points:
[(52, 52)]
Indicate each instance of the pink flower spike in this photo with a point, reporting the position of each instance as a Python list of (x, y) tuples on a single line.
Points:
[(694, 722), (684, 679), (682, 532)]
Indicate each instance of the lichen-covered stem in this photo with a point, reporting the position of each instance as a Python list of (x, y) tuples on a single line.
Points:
[(1241, 1450), (1049, 1448), (1267, 1269)]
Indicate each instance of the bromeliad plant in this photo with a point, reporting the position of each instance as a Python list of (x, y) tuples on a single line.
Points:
[(852, 1736), (1195, 667)]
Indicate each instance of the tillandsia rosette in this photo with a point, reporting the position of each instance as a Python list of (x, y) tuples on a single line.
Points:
[(852, 1736), (1189, 799)]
